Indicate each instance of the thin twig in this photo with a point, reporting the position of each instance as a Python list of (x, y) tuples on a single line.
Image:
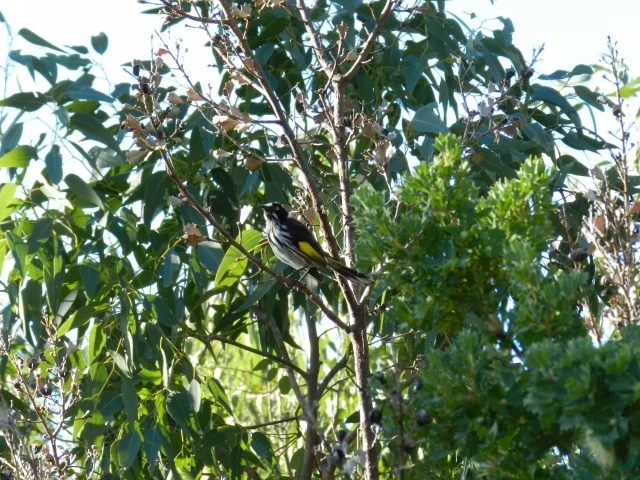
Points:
[(331, 315), (233, 343), (369, 42), (278, 110)]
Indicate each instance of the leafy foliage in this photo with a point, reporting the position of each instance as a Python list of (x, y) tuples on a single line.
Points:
[(148, 333)]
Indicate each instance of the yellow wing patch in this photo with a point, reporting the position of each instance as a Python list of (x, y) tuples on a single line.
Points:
[(310, 252)]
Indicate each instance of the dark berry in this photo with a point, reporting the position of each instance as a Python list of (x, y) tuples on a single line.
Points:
[(375, 417)]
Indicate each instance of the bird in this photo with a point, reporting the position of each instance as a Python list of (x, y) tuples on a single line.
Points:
[(294, 244)]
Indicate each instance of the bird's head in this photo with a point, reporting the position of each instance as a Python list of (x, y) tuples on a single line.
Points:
[(275, 212)]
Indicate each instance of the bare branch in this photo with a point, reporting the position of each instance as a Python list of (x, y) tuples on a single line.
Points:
[(315, 38)]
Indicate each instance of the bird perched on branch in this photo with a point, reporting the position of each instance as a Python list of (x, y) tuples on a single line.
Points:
[(293, 243)]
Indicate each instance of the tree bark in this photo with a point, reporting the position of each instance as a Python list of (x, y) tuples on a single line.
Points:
[(361, 366)]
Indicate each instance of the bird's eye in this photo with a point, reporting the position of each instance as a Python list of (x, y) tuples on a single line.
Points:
[(276, 208)]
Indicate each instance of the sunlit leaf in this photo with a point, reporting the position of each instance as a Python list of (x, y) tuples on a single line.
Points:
[(8, 201), (19, 157), (234, 262)]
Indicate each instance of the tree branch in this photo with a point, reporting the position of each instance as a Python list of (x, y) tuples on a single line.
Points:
[(331, 315), (271, 423), (233, 343), (333, 372), (368, 43), (295, 386), (288, 132), (312, 395), (315, 38)]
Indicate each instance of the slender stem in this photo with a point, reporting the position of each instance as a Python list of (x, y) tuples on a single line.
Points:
[(247, 348), (295, 386), (312, 392), (333, 372), (362, 371), (278, 110), (369, 42), (272, 422), (346, 208), (331, 315), (315, 38)]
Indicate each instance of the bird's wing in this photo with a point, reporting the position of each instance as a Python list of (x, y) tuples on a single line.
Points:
[(307, 243)]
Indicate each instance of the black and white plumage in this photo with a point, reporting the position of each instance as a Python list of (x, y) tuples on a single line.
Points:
[(294, 244)]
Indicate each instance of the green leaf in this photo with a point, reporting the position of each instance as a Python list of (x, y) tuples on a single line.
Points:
[(80, 318), (27, 101), (261, 445), (100, 42), (630, 89), (84, 92), (195, 394), (580, 141), (128, 448), (589, 97), (93, 428), (93, 129), (552, 96), (219, 394), (130, 399), (179, 406), (97, 341), (263, 288), (65, 305), (30, 310), (491, 162), (152, 444), (31, 37), (426, 120), (234, 262), (121, 363), (263, 364), (284, 385), (90, 276), (10, 138), (110, 404), (19, 157), (82, 106), (210, 254), (155, 190), (562, 74), (163, 313), (8, 202), (72, 62), (83, 190), (571, 165), (19, 251), (53, 162), (170, 268)]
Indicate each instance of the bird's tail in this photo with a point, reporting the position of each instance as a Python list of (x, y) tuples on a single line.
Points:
[(348, 273)]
